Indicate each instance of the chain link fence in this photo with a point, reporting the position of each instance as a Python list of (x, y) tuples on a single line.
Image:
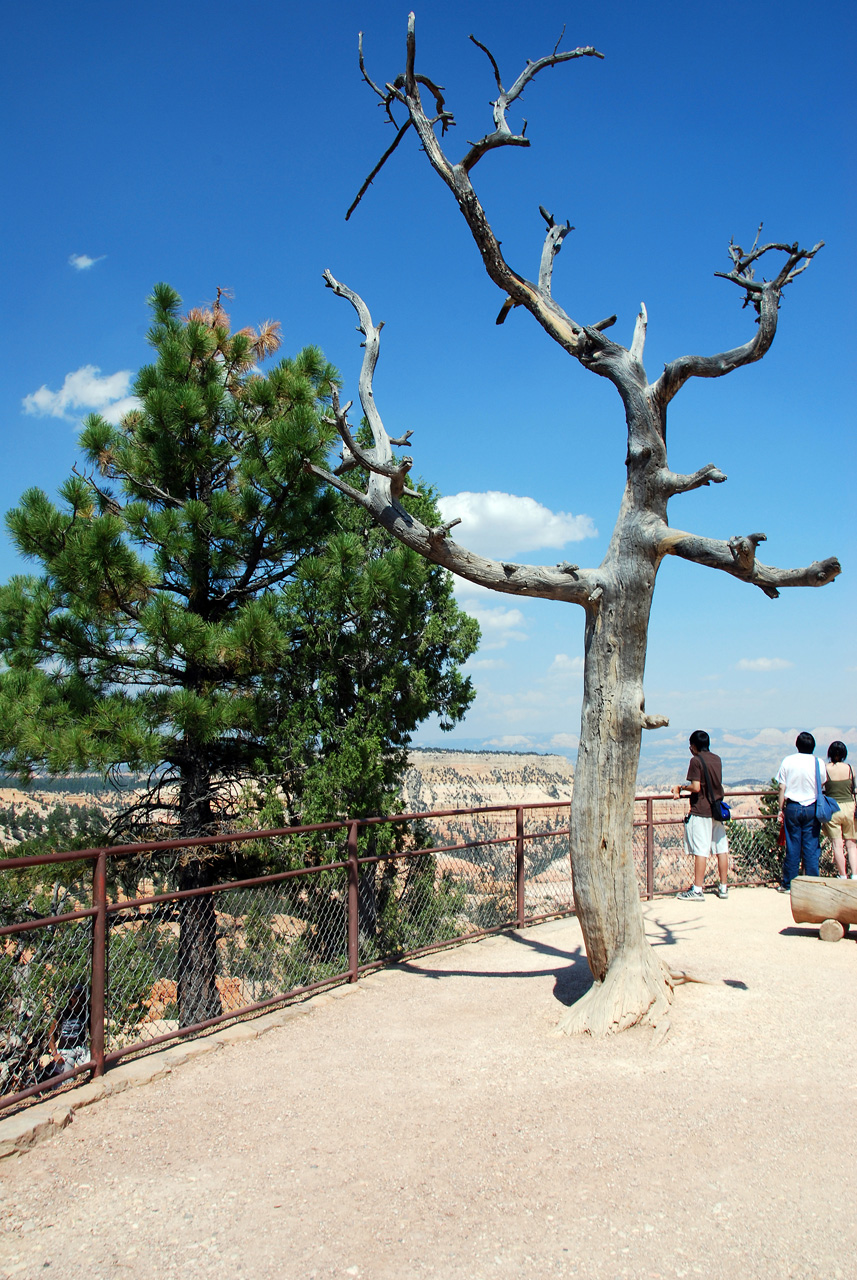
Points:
[(143, 959)]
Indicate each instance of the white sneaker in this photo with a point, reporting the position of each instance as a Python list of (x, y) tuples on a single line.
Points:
[(722, 891), (692, 894)]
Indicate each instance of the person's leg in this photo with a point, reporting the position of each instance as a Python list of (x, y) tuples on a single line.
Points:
[(811, 842), (697, 839), (810, 831), (839, 854), (849, 832), (791, 859), (720, 846)]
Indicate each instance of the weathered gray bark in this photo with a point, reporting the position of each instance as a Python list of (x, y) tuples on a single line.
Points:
[(631, 985)]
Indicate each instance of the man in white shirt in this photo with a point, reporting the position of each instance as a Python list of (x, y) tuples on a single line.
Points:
[(796, 810)]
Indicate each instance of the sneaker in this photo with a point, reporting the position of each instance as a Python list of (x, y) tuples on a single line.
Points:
[(781, 888), (692, 894), (722, 891)]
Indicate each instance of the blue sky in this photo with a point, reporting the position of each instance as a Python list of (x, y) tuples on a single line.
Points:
[(214, 145)]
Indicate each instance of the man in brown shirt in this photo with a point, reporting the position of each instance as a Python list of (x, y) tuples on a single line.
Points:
[(703, 834)]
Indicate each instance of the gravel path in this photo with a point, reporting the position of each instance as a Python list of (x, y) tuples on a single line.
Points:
[(431, 1125)]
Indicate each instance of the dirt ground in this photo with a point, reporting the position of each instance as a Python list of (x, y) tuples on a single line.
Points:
[(432, 1125)]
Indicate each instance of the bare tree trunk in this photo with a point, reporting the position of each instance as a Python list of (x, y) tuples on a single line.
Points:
[(631, 984)]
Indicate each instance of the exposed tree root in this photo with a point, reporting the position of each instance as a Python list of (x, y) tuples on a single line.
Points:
[(637, 991)]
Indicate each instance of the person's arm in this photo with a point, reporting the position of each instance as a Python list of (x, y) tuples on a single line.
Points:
[(781, 799), (692, 784)]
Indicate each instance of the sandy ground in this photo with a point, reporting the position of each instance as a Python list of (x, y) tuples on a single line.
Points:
[(432, 1125)]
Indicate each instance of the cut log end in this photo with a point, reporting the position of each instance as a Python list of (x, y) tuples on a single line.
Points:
[(831, 931)]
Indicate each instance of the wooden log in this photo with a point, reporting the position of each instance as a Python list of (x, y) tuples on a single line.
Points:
[(831, 931), (815, 900)]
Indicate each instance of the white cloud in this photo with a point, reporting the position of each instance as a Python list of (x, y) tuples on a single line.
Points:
[(498, 625), (565, 740), (116, 412), (488, 664), (563, 665), (509, 740), (84, 390), (504, 524), (763, 664), (82, 261)]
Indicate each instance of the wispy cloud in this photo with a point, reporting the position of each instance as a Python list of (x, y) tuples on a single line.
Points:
[(563, 665), (82, 391), (488, 664), (763, 664), (82, 261), (509, 740), (504, 524), (565, 740), (499, 626)]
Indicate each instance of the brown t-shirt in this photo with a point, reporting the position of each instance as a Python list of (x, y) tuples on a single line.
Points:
[(699, 799)]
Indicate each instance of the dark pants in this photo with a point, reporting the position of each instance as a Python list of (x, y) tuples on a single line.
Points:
[(802, 832)]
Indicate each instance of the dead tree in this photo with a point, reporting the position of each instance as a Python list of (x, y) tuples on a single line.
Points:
[(630, 984)]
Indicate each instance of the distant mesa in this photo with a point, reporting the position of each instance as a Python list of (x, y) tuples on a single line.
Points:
[(471, 779)]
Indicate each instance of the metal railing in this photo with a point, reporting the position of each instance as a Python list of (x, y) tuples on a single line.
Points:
[(124, 971)]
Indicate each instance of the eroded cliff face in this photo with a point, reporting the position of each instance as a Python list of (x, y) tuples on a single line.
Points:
[(464, 779)]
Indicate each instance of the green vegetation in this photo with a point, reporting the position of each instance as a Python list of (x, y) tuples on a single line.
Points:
[(206, 612)]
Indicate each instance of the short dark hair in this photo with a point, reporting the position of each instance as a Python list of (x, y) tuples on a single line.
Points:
[(805, 743), (700, 739), (836, 752)]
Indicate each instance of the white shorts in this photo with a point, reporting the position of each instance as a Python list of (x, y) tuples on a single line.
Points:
[(704, 836)]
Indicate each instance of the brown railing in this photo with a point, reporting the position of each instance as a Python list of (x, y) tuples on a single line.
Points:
[(123, 971)]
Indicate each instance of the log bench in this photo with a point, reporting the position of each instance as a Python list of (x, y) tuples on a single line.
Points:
[(831, 904)]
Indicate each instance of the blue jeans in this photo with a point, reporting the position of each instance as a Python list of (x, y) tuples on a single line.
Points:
[(802, 832)]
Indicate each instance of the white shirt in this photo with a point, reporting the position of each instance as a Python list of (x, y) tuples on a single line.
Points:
[(797, 775)]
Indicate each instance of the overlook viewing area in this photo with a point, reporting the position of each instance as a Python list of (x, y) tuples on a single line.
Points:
[(427, 1121), (289, 990)]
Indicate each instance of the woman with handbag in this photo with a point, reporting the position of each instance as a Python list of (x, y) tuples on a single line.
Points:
[(840, 828)]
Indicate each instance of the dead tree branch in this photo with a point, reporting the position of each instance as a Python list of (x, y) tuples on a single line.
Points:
[(672, 482), (386, 487), (764, 296), (738, 557), (502, 135), (378, 167), (574, 337), (638, 342)]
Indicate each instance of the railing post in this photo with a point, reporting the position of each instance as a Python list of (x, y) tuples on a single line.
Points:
[(650, 848), (520, 870), (98, 980), (353, 903)]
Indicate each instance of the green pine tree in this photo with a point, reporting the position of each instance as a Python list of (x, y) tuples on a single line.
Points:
[(196, 585)]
